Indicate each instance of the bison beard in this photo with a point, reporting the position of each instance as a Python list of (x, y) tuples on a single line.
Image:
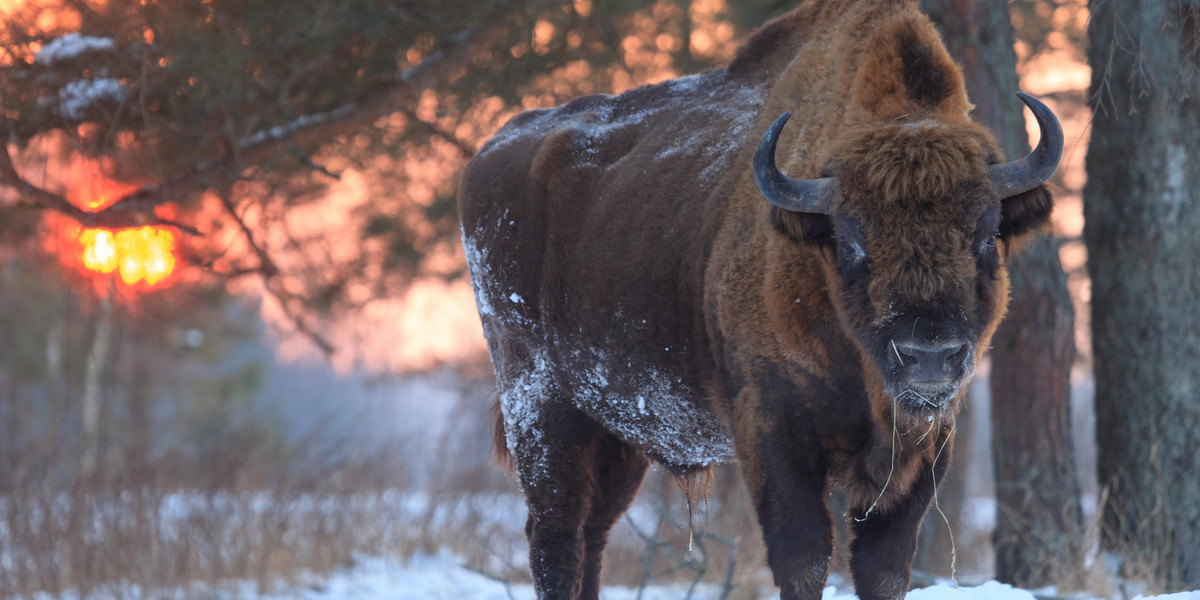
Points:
[(654, 288)]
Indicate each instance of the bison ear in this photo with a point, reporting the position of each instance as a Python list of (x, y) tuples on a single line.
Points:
[(812, 227), (1025, 213)]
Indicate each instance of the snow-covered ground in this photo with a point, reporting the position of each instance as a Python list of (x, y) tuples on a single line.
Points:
[(442, 576)]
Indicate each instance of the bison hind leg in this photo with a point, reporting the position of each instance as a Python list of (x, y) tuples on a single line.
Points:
[(578, 480), (557, 484), (619, 469)]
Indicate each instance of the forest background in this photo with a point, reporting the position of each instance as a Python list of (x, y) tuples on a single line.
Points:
[(232, 295)]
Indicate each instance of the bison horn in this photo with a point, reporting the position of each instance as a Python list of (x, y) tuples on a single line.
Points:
[(1019, 176), (799, 195)]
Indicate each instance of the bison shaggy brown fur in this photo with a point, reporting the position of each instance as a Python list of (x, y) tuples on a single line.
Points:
[(643, 302)]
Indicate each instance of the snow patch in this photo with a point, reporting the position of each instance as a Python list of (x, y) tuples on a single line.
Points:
[(444, 576), (739, 110), (922, 124), (279, 131), (480, 272), (991, 590), (701, 98), (75, 97), (69, 46), (651, 409), (524, 392), (488, 296)]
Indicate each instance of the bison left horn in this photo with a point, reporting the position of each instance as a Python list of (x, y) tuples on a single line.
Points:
[(1020, 176), (799, 195)]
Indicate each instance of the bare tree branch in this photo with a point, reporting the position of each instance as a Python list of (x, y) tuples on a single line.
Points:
[(270, 278), (297, 318), (433, 131)]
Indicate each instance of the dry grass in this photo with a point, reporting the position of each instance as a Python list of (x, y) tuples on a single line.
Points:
[(256, 513), (1122, 566), (122, 540)]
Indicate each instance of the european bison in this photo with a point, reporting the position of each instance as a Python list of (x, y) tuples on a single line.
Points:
[(642, 301)]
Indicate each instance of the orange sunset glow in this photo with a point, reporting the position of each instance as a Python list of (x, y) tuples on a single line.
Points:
[(137, 256), (99, 250), (144, 254)]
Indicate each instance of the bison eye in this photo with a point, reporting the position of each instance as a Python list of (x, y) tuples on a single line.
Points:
[(988, 244), (852, 252)]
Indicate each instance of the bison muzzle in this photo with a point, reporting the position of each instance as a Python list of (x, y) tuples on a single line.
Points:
[(643, 302)]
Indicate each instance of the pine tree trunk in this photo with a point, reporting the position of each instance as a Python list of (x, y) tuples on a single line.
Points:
[(1039, 521), (1038, 525), (1143, 238), (96, 363)]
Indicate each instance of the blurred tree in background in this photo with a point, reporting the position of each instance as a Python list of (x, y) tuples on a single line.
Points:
[(1142, 223), (178, 379)]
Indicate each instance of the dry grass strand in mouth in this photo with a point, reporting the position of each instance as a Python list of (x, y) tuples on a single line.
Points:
[(923, 398), (892, 469), (932, 424), (938, 508)]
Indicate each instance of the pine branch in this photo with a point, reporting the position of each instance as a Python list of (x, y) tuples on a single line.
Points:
[(270, 278), (432, 130), (136, 209)]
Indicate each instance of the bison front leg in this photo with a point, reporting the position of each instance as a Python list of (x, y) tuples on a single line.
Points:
[(795, 521), (884, 543)]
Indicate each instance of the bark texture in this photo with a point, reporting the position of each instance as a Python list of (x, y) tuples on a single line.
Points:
[(1038, 524), (1143, 244)]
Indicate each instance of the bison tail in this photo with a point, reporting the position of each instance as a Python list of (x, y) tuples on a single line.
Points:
[(499, 441)]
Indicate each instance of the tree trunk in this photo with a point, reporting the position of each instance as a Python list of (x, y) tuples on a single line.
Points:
[(1038, 524), (1142, 227), (1039, 521), (96, 363)]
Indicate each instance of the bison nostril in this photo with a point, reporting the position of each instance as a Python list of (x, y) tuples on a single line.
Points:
[(959, 355), (929, 361)]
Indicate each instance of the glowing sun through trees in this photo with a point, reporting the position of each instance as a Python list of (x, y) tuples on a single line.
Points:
[(139, 256), (144, 254)]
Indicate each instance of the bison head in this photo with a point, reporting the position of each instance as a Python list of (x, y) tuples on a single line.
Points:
[(915, 220)]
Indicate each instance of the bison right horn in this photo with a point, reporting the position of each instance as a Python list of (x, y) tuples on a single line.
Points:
[(799, 195), (1020, 176)]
